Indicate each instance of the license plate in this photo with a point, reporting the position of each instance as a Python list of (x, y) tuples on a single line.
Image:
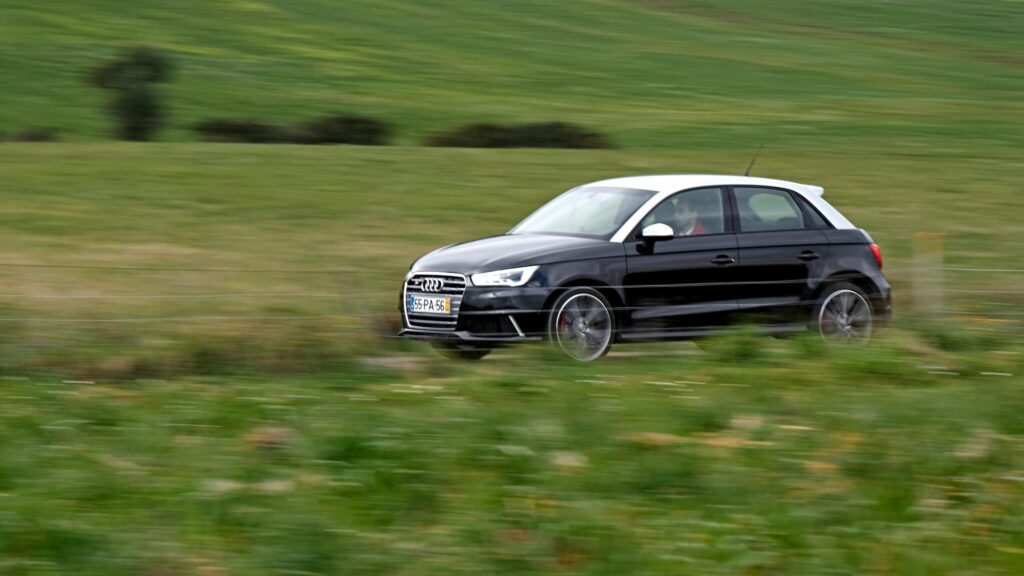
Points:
[(429, 304)]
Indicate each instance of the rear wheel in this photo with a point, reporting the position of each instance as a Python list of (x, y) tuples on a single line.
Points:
[(843, 315), (581, 324), (461, 350)]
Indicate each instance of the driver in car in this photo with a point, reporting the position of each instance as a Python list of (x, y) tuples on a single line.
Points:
[(687, 219)]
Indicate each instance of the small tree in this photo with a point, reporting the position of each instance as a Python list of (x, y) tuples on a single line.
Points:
[(135, 102)]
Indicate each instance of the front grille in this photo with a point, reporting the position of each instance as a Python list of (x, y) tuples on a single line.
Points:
[(435, 284)]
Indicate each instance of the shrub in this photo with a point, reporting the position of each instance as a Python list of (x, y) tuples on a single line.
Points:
[(347, 129), (533, 135), (560, 135), (33, 135), (335, 129), (249, 131), (135, 104), (475, 136)]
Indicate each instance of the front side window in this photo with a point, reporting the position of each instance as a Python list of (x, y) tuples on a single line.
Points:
[(691, 213), (765, 209), (591, 211)]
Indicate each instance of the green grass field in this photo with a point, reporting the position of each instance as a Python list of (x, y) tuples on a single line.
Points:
[(652, 73), (198, 373)]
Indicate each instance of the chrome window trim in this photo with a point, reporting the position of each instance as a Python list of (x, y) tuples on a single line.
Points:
[(833, 216)]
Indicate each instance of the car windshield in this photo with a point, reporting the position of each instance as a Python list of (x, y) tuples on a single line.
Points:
[(590, 211)]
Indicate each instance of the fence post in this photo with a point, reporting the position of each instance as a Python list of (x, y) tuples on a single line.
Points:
[(927, 288)]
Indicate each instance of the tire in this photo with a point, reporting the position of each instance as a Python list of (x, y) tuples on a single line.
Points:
[(581, 324), (843, 315), (461, 350)]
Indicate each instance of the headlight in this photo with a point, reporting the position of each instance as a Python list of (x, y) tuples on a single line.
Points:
[(510, 277)]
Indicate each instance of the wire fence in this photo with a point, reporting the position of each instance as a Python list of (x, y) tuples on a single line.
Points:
[(178, 269), (352, 270), (363, 313), (117, 329)]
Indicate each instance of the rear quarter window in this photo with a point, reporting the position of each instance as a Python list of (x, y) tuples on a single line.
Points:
[(814, 218)]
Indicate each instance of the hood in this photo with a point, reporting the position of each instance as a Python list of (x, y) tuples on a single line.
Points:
[(513, 250)]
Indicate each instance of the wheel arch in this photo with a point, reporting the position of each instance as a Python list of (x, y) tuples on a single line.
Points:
[(610, 294), (858, 279)]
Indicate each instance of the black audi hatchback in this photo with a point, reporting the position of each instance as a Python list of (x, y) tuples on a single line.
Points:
[(653, 258)]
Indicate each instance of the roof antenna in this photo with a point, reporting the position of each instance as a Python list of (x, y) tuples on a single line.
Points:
[(752, 160)]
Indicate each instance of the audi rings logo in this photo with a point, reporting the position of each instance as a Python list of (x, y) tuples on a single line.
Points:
[(432, 284)]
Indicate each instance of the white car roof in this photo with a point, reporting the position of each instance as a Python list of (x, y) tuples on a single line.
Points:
[(667, 184), (677, 182)]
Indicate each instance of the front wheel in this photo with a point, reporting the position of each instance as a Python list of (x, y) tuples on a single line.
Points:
[(843, 315), (461, 350), (582, 324)]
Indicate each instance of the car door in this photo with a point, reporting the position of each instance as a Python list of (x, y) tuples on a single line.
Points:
[(682, 286), (782, 253)]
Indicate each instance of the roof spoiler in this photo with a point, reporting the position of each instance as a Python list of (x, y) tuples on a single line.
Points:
[(816, 190)]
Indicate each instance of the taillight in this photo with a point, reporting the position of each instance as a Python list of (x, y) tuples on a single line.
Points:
[(878, 254)]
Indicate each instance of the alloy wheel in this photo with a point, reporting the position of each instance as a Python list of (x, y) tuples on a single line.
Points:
[(583, 327), (845, 316)]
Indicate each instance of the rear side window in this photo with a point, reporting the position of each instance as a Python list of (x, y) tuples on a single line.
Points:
[(765, 209)]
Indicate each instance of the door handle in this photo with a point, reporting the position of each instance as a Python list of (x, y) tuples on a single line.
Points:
[(723, 259), (808, 255)]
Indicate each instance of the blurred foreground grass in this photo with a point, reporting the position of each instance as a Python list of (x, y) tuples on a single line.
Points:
[(755, 457)]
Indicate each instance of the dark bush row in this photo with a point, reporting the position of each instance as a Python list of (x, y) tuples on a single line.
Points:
[(534, 135), (32, 135), (241, 131), (131, 76), (334, 129), (347, 129)]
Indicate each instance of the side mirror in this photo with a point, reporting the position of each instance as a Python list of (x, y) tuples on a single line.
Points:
[(656, 232)]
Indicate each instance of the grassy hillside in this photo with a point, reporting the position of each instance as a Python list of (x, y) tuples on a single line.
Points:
[(653, 73), (375, 210)]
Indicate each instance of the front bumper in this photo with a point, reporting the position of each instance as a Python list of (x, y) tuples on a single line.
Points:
[(464, 336), (490, 314)]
